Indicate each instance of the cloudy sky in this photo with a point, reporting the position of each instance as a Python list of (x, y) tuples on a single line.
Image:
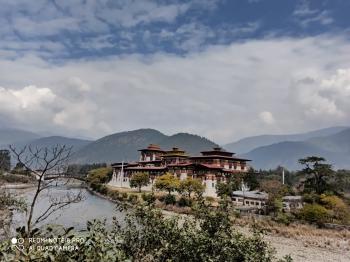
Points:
[(224, 69)]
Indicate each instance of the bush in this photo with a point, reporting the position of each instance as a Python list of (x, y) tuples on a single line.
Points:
[(124, 195), (210, 237), (311, 198), (161, 198), (11, 178), (95, 186), (100, 175), (338, 209), (149, 198), (284, 218), (103, 190), (170, 200), (314, 213), (133, 198), (210, 199), (113, 194), (184, 202)]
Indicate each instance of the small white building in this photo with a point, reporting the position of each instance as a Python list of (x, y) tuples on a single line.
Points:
[(254, 199), (291, 203)]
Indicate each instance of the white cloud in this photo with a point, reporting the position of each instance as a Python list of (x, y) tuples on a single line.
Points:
[(47, 18), (29, 98), (324, 96), (217, 93), (267, 117), (305, 15)]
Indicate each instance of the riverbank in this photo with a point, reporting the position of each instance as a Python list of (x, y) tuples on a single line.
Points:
[(17, 186), (305, 243)]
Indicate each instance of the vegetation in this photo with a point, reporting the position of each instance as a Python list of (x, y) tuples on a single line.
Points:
[(340, 181), (12, 178), (317, 174), (8, 200), (83, 170), (167, 182), (190, 185), (99, 176), (170, 199), (139, 180), (338, 210), (232, 183), (20, 169), (314, 213), (146, 235), (5, 160)]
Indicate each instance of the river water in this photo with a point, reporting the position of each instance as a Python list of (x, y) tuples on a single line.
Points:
[(76, 215)]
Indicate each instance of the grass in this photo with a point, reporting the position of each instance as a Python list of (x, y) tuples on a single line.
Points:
[(309, 235), (12, 178)]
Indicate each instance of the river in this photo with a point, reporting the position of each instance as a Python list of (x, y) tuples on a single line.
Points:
[(76, 215)]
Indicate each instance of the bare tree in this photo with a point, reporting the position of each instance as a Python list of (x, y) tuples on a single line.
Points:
[(48, 165)]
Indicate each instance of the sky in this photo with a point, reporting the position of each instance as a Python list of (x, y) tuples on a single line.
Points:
[(223, 69)]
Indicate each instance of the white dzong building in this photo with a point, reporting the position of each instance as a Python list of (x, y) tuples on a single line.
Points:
[(211, 167)]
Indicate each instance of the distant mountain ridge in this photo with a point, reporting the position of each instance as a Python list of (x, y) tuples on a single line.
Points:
[(124, 146), (332, 143), (335, 148), (249, 143), (10, 136), (50, 141)]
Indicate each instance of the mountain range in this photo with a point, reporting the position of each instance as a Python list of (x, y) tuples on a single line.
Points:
[(335, 148), (265, 151), (125, 145), (249, 143), (121, 146)]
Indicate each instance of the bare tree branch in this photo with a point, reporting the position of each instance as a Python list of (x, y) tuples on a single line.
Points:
[(41, 162)]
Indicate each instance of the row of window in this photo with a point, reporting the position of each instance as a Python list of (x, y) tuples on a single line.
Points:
[(247, 202)]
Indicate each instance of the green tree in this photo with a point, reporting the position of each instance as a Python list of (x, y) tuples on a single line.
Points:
[(190, 185), (314, 213), (338, 209), (317, 174), (139, 180), (167, 182), (100, 175), (231, 184), (5, 160), (250, 178), (341, 181), (276, 190)]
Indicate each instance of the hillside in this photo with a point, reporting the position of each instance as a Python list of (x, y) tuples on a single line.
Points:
[(339, 142), (125, 145), (51, 141), (335, 148), (249, 143), (15, 136), (192, 144)]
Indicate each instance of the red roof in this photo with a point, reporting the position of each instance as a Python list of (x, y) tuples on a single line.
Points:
[(152, 147), (146, 168)]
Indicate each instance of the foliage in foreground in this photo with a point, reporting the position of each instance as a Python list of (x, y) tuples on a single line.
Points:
[(146, 235)]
